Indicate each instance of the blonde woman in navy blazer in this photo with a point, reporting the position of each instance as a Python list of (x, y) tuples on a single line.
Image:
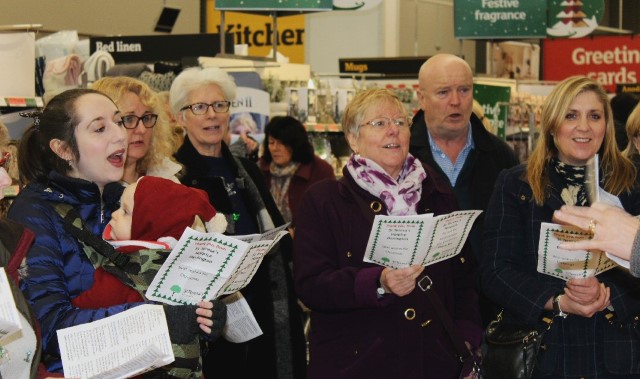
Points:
[(595, 326)]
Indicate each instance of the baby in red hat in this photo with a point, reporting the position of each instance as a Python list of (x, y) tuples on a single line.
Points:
[(153, 214), (155, 208), (152, 211)]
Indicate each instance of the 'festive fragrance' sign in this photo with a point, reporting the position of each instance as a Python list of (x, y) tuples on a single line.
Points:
[(475, 19)]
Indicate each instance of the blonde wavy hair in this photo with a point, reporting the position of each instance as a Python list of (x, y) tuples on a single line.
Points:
[(163, 140), (361, 103), (617, 171), (633, 131)]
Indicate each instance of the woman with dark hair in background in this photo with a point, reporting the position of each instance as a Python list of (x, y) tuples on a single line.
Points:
[(289, 164)]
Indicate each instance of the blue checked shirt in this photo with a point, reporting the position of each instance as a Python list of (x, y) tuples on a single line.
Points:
[(452, 170)]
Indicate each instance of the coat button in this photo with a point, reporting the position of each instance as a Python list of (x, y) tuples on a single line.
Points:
[(462, 260), (523, 197), (375, 206), (349, 254), (410, 314)]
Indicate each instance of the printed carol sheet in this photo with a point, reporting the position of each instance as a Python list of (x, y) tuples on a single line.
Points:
[(205, 266), (124, 345), (9, 316), (566, 264), (402, 241)]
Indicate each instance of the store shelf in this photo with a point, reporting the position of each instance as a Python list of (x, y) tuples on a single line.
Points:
[(11, 191), (323, 128), (21, 102)]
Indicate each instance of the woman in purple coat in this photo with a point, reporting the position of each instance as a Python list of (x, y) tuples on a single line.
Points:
[(368, 321)]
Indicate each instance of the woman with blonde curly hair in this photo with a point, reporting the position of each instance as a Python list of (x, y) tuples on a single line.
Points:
[(151, 141), (633, 134)]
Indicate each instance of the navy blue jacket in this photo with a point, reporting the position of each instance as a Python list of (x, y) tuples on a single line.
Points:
[(576, 346), (58, 269)]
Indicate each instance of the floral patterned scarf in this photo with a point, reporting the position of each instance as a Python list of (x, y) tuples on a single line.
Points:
[(400, 196), (570, 181), (280, 180)]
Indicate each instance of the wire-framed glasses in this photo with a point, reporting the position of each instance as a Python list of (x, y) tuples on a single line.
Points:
[(202, 108), (382, 123), (131, 121)]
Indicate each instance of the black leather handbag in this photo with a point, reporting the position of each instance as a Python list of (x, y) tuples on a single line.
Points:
[(511, 351)]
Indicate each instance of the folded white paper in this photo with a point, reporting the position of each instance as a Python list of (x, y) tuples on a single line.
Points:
[(119, 346), (566, 264), (402, 241), (205, 266)]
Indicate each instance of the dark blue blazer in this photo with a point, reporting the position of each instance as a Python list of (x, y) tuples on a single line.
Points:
[(576, 346)]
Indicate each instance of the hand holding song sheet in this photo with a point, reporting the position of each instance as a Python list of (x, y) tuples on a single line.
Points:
[(205, 266), (566, 264), (402, 241)]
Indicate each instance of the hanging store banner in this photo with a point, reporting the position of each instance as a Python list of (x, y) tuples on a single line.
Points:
[(256, 32), (397, 67), (495, 103), (628, 88), (574, 18), (155, 48), (355, 5), (611, 60), (483, 19), (277, 5)]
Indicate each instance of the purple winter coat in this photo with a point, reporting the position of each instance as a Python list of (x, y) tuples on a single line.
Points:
[(353, 333)]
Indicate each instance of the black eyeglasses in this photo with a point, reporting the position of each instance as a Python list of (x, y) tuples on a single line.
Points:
[(131, 121), (199, 109)]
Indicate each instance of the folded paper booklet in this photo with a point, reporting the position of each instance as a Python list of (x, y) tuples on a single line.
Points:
[(566, 264), (402, 241), (205, 266), (124, 345), (9, 316)]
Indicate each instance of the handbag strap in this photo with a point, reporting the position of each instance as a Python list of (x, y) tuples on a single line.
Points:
[(458, 343)]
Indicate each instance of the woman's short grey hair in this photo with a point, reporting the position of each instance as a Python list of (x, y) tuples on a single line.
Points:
[(197, 77)]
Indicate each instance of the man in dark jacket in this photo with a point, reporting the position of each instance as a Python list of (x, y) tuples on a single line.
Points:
[(447, 136)]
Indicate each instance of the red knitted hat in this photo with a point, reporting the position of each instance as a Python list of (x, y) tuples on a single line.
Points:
[(162, 208)]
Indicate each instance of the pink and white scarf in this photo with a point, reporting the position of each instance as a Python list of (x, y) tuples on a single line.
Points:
[(400, 196)]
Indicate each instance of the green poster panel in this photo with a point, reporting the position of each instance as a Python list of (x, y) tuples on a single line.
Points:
[(508, 19), (574, 18), (274, 5), (494, 101)]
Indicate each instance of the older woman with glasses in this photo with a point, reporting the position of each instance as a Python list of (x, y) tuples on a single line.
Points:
[(368, 321), (150, 139), (200, 100)]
